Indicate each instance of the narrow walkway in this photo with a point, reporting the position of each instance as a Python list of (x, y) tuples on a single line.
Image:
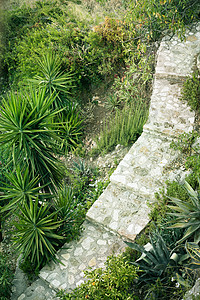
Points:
[(121, 212)]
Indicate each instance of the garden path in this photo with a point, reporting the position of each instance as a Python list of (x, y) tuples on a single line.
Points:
[(121, 212)]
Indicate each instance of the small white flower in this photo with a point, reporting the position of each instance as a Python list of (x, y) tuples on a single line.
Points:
[(172, 279), (177, 284)]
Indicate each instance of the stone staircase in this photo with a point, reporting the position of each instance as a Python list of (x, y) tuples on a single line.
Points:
[(121, 212)]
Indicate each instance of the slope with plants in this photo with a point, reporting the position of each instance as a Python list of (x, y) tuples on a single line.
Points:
[(43, 122)]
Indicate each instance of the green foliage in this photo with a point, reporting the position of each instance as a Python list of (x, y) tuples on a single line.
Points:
[(36, 233), (21, 189), (187, 214), (124, 128), (25, 125), (69, 212), (6, 277), (155, 260), (70, 129), (151, 19), (191, 91), (185, 142), (112, 283), (50, 77)]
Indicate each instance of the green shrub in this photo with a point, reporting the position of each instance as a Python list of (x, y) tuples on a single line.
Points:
[(191, 92), (6, 277), (115, 282)]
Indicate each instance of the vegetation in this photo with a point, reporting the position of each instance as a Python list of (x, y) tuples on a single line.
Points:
[(87, 44)]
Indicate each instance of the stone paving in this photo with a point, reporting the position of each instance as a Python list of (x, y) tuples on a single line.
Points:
[(121, 212)]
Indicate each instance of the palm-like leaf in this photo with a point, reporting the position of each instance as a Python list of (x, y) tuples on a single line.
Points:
[(187, 214), (25, 125), (52, 79), (35, 235)]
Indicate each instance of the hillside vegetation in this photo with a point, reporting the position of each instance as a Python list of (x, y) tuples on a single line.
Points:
[(55, 55)]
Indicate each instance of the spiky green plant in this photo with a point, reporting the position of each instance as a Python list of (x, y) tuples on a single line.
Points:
[(52, 79), (21, 189), (25, 125), (187, 214), (154, 261), (35, 236), (193, 251)]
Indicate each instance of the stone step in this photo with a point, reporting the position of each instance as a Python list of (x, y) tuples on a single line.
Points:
[(90, 251), (38, 290), (142, 169), (178, 58), (168, 115), (121, 211)]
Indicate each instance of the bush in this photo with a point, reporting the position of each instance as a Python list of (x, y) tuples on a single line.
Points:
[(115, 282)]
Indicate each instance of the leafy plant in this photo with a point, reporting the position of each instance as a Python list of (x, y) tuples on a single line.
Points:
[(187, 214), (25, 124), (112, 283), (51, 78), (36, 233), (113, 102)]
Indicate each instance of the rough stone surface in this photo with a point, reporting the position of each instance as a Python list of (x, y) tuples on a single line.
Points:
[(121, 212), (194, 293)]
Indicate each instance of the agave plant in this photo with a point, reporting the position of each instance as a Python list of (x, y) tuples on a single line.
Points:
[(187, 214), (35, 236), (154, 261), (25, 125), (52, 79)]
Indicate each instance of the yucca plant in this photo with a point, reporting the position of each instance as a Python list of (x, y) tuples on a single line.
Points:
[(21, 189), (36, 233), (26, 130), (52, 79), (187, 214)]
